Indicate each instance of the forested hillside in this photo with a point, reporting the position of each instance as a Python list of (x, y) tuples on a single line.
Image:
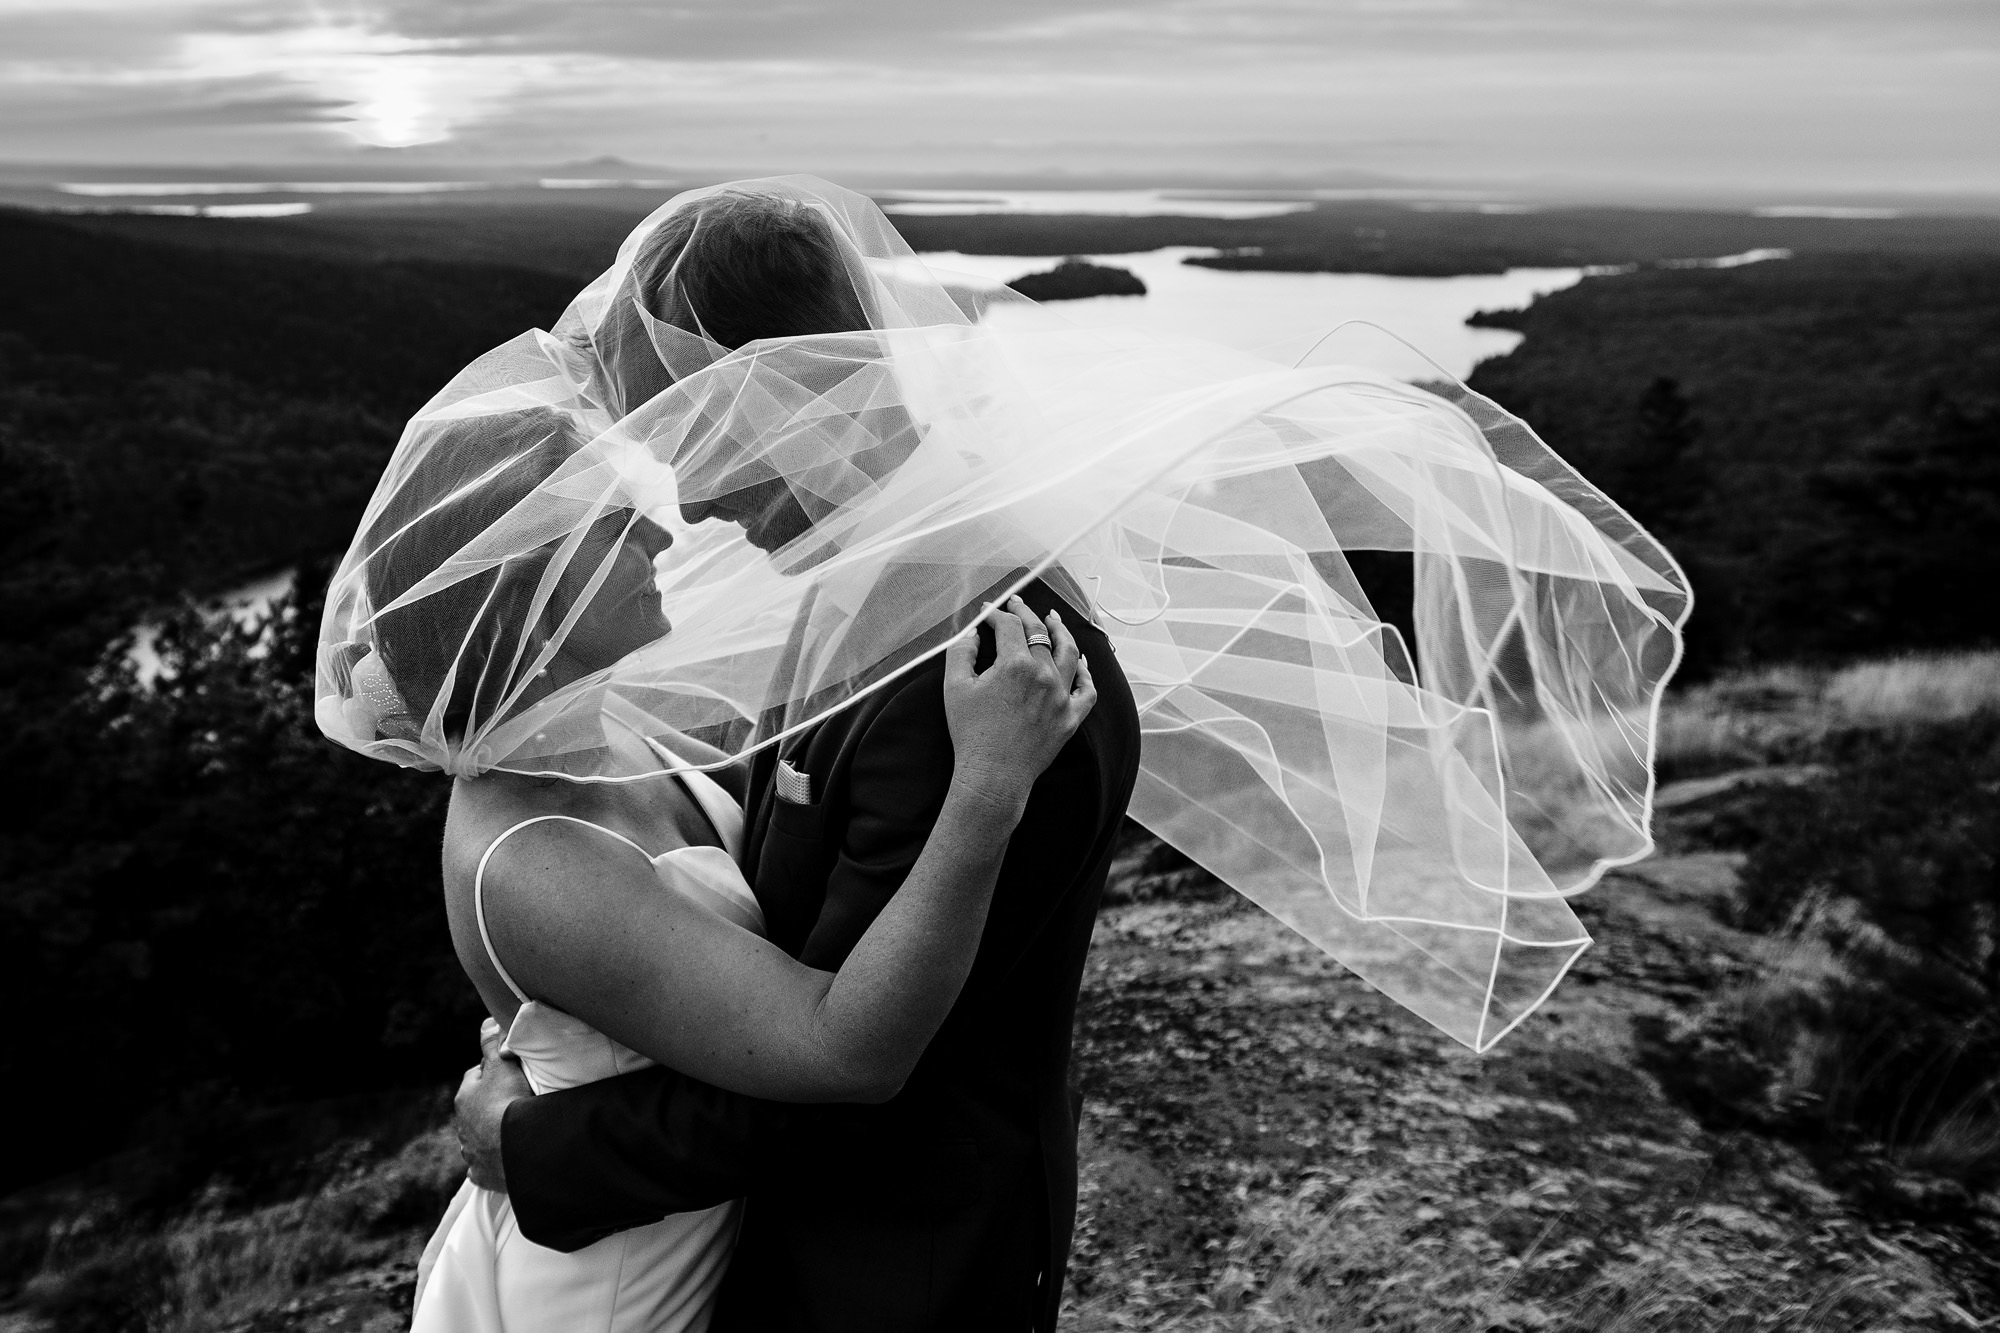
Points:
[(1374, 237), (1817, 438), (196, 414), (201, 898)]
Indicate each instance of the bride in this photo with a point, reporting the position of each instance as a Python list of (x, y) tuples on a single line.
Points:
[(1416, 789)]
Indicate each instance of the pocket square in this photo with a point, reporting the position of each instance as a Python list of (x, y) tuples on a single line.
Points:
[(793, 785)]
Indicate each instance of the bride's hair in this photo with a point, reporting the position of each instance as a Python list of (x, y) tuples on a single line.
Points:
[(472, 475)]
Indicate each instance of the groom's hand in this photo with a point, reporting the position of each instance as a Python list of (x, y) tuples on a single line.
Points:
[(484, 1094)]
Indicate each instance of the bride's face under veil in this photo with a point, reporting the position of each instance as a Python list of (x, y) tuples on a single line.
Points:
[(851, 454), (623, 614)]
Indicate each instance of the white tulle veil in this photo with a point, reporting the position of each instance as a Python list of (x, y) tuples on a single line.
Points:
[(843, 500)]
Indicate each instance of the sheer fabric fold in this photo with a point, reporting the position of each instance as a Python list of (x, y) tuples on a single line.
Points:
[(1397, 665)]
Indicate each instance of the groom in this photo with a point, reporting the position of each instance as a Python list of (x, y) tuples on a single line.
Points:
[(949, 1206)]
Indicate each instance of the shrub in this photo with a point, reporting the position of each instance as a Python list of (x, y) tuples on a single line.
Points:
[(1939, 687), (216, 1264), (1887, 872), (230, 907)]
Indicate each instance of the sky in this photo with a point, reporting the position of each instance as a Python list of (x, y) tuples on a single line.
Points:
[(1779, 96)]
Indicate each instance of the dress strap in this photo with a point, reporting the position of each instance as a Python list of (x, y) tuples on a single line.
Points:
[(479, 888)]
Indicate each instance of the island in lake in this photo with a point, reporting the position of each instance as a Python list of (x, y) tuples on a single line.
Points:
[(1076, 278)]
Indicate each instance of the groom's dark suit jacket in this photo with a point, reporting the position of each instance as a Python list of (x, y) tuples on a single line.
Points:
[(949, 1207)]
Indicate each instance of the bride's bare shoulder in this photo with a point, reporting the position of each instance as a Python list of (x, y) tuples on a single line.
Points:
[(478, 815), (585, 833)]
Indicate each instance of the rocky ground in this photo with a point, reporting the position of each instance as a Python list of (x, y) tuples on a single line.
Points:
[(1272, 1145), (1269, 1144)]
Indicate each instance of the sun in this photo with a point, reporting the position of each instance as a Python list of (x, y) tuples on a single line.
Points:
[(393, 108)]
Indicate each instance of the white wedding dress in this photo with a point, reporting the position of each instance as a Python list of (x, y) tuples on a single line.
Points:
[(479, 1274)]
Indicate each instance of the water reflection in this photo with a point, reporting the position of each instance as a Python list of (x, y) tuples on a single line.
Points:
[(1281, 315), (247, 605)]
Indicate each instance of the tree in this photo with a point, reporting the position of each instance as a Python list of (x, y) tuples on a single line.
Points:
[(1662, 478), (1908, 557), (221, 898)]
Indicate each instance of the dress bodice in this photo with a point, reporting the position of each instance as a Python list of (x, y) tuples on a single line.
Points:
[(558, 1050), (479, 1274)]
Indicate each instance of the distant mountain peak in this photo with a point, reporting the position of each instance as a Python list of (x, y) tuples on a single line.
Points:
[(609, 166)]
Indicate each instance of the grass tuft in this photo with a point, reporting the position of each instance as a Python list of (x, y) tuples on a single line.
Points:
[(216, 1267), (1774, 714), (1946, 687), (1372, 1256)]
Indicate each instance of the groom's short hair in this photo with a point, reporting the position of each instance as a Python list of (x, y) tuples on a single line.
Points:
[(746, 266)]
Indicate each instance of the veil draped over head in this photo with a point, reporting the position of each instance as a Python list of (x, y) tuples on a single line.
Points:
[(1397, 666)]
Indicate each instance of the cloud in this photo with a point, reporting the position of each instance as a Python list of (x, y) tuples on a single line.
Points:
[(150, 111), (948, 30), (1881, 90), (81, 38)]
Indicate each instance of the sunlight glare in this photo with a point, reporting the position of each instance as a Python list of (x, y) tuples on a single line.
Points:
[(394, 91), (395, 109)]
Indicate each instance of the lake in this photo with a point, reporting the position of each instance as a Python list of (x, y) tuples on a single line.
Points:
[(247, 605), (1280, 315)]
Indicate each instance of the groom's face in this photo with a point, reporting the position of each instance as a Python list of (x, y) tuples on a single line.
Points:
[(853, 455), (767, 511)]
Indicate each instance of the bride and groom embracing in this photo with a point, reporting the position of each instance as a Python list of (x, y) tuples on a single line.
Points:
[(848, 973), (789, 618)]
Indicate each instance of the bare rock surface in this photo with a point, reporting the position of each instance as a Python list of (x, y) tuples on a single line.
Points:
[(1269, 1144)]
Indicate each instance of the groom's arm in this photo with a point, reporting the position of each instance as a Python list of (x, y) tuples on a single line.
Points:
[(587, 1162)]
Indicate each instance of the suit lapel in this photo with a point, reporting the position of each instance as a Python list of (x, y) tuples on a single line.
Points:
[(757, 808), (780, 891)]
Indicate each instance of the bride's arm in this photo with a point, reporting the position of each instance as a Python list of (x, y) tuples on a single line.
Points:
[(580, 920)]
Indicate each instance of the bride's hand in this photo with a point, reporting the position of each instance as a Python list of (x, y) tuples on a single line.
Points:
[(1010, 721)]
